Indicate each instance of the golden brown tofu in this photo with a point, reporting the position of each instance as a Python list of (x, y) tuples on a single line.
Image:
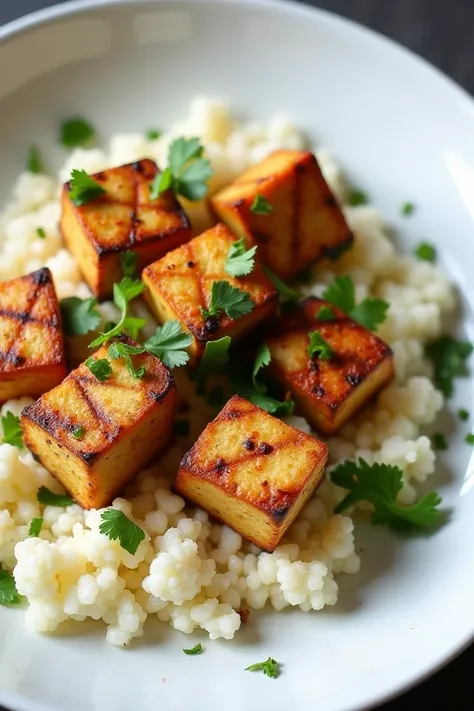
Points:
[(328, 392), (306, 222), (95, 436), (124, 218), (179, 285), (32, 352), (252, 471)]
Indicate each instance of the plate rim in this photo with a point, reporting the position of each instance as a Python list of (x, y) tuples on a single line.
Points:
[(72, 8)]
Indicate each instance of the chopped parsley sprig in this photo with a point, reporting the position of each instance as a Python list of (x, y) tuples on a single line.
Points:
[(197, 649), (227, 299), (318, 347), (240, 261), (370, 312), (379, 485), (9, 595), (244, 382), (83, 189), (99, 367), (119, 350), (124, 292), (269, 667), (79, 316), (48, 498), (168, 343), (187, 173), (116, 526), (448, 356), (12, 432), (35, 527)]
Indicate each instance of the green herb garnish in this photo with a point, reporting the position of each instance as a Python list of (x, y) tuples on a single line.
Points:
[(269, 667), (285, 291), (261, 206), (124, 292), (370, 313), (40, 231), (469, 439), (197, 649), (153, 134), (83, 189), (449, 361), (79, 316), (240, 260), (12, 432), (35, 527), (426, 252), (262, 359), (463, 415), (379, 485), (34, 163), (100, 368), (325, 313), (357, 197), (116, 526), (78, 432), (168, 343), (318, 347), (187, 173), (228, 299), (76, 132), (407, 209), (128, 262), (48, 498), (439, 441), (9, 595), (124, 350)]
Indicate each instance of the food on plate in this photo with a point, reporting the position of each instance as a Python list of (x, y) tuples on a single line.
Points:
[(284, 205), (252, 471), (151, 553), (32, 353), (195, 286), (330, 363), (112, 211), (102, 424)]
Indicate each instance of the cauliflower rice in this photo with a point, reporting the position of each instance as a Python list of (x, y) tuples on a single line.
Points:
[(189, 571)]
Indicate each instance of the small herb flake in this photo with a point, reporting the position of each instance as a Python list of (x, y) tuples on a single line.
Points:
[(12, 432), (153, 134), (358, 197), (463, 415), (40, 231), (78, 432), (124, 292), (318, 347), (370, 312), (261, 206), (262, 359), (325, 313), (124, 350), (407, 209), (469, 439), (240, 261), (270, 668), (168, 343), (83, 189), (426, 252), (228, 299), (79, 316), (34, 163), (439, 441), (100, 369), (35, 527), (449, 361), (116, 526), (76, 132), (187, 173), (286, 292), (197, 649), (48, 498), (8, 593)]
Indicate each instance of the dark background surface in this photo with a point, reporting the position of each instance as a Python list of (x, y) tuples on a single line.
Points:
[(442, 31)]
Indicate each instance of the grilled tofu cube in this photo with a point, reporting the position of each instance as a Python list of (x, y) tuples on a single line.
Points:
[(32, 351), (305, 224), (252, 471), (123, 218), (328, 392), (179, 285), (95, 436)]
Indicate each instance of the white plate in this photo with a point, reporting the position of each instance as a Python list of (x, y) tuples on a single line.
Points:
[(403, 132)]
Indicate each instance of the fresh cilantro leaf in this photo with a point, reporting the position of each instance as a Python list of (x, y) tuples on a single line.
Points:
[(241, 382), (100, 368), (76, 132), (240, 260), (469, 439), (153, 134), (227, 298), (407, 209), (325, 313), (379, 485), (187, 173), (12, 432), (116, 526), (439, 441), (279, 408), (128, 262), (35, 527), (40, 231), (49, 498), (449, 361), (262, 359), (182, 428), (216, 355), (124, 292), (318, 347), (34, 163), (370, 313), (8, 593), (168, 344), (197, 649), (426, 252), (463, 415), (261, 206), (79, 316), (358, 197), (124, 350), (78, 432), (269, 667), (83, 188), (285, 291)]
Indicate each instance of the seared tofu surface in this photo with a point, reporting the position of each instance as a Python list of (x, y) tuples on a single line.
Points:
[(32, 351), (124, 218), (330, 391), (252, 471), (179, 285), (95, 436), (305, 223)]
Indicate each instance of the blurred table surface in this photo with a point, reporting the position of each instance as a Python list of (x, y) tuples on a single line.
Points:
[(442, 31)]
